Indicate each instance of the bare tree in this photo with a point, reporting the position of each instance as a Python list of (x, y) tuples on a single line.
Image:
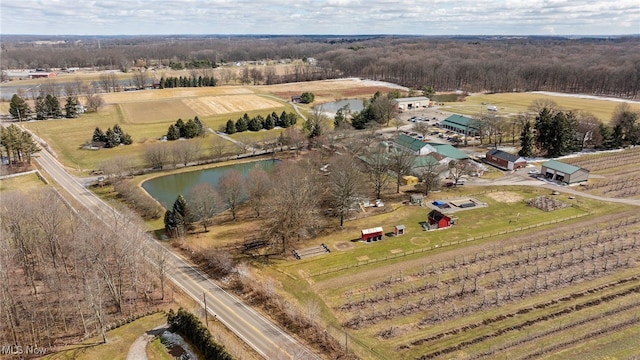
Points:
[(397, 123), (117, 168), (258, 187), (430, 175), (377, 167), (459, 168), (185, 151), (231, 189), (344, 185), (156, 156), (93, 100), (421, 128), (140, 79), (219, 146), (292, 211), (588, 129), (401, 162), (385, 108), (204, 202)]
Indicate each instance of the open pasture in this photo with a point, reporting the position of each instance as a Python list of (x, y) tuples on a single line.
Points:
[(517, 103)]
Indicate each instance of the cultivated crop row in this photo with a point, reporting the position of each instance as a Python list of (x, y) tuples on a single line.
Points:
[(502, 275), (619, 187), (607, 160)]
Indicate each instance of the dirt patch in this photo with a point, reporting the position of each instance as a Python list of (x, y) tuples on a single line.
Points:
[(508, 197), (362, 258), (342, 246), (396, 251)]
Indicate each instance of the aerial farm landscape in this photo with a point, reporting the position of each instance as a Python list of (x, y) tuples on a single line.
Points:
[(319, 197)]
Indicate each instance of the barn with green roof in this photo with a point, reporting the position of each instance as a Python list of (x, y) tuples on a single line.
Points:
[(461, 124), (559, 171)]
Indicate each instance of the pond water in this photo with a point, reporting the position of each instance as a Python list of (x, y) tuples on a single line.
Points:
[(356, 105), (166, 189)]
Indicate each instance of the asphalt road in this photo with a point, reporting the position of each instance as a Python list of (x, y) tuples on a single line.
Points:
[(261, 334)]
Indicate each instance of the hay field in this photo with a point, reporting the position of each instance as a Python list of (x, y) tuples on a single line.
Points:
[(156, 111), (174, 93), (217, 105), (515, 103)]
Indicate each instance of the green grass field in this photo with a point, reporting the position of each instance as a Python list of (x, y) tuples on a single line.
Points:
[(516, 103)]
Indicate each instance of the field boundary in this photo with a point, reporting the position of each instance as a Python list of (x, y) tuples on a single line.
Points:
[(443, 245)]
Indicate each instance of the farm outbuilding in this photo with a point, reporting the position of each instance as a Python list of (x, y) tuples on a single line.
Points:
[(568, 174), (398, 230), (373, 234), (41, 75), (438, 220), (409, 180), (412, 102), (461, 124), (504, 160)]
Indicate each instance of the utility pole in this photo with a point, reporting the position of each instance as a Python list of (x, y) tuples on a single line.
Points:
[(206, 315)]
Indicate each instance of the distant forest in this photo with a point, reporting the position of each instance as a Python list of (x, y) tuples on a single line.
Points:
[(600, 66)]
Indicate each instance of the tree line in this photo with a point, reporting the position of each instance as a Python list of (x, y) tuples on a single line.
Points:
[(191, 81), (559, 64), (259, 122), (186, 130), (112, 137), (45, 107), (555, 132), (18, 145)]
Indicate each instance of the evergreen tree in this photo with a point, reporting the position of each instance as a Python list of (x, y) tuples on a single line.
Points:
[(284, 120), (190, 129), (18, 108), (162, 82), (99, 135), (526, 140), (52, 107), (254, 125), (40, 108), (170, 224), (112, 139), (126, 139), (118, 130), (180, 125), (339, 120), (241, 125), (617, 137), (607, 136), (200, 126), (268, 123), (71, 107), (173, 133), (230, 128), (307, 97), (182, 213)]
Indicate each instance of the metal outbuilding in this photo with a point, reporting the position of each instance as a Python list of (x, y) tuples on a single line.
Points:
[(559, 171)]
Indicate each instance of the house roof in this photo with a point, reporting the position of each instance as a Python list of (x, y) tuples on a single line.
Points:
[(409, 142), (562, 167), (437, 215), (460, 122), (415, 98), (448, 151), (424, 161), (372, 230), (505, 155)]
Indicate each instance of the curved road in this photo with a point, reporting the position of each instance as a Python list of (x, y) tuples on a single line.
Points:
[(262, 335)]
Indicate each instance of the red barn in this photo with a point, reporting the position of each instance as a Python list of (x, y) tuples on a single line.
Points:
[(373, 234), (438, 220)]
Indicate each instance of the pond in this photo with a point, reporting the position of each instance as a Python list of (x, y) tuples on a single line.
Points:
[(165, 189), (355, 105)]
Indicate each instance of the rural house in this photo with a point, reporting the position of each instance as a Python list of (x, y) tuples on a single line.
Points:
[(411, 103), (438, 220), (504, 160), (568, 174)]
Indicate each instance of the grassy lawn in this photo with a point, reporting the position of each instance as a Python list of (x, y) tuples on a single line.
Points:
[(514, 103), (157, 351), (22, 183), (118, 341)]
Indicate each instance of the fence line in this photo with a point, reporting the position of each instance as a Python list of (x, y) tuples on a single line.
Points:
[(443, 245)]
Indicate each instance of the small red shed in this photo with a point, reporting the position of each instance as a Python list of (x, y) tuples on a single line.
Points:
[(398, 230), (438, 220), (373, 234)]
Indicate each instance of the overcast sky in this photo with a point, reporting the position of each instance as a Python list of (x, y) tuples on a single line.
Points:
[(344, 17)]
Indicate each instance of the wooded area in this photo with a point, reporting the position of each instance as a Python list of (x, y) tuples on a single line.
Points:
[(603, 66)]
